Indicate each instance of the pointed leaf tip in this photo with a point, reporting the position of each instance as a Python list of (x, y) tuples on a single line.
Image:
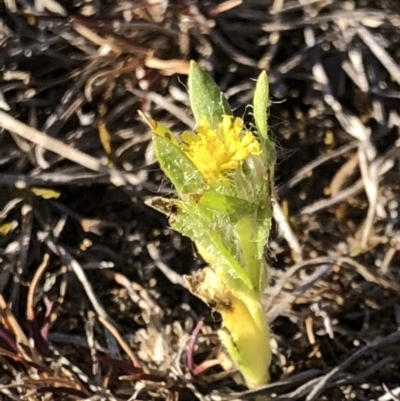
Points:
[(260, 104), (206, 99)]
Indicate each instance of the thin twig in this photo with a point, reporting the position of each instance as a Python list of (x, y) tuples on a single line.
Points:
[(118, 178)]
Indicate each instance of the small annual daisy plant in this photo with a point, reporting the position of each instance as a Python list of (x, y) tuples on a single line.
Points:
[(222, 172)]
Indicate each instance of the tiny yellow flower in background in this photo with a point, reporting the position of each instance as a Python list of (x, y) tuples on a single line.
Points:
[(215, 151)]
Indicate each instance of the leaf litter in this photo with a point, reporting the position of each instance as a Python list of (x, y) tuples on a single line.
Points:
[(92, 301)]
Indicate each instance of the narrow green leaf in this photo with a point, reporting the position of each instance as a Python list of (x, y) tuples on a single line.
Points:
[(260, 104), (262, 229), (228, 204), (178, 167), (206, 99), (244, 230), (260, 110)]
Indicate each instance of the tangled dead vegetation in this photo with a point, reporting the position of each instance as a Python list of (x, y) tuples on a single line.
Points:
[(93, 305)]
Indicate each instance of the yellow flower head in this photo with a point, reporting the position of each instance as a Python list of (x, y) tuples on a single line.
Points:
[(215, 151)]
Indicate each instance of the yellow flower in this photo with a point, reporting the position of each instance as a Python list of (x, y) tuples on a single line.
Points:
[(215, 151)]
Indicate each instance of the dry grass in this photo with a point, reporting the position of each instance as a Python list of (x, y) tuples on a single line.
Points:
[(92, 301)]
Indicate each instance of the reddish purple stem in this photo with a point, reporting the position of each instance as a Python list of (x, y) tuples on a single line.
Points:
[(193, 368)]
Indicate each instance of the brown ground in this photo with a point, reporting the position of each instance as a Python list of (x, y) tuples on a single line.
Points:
[(93, 278)]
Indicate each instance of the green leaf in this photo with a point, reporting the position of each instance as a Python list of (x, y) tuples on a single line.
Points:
[(260, 105), (228, 204), (206, 99), (198, 223), (158, 128), (178, 167), (244, 230)]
